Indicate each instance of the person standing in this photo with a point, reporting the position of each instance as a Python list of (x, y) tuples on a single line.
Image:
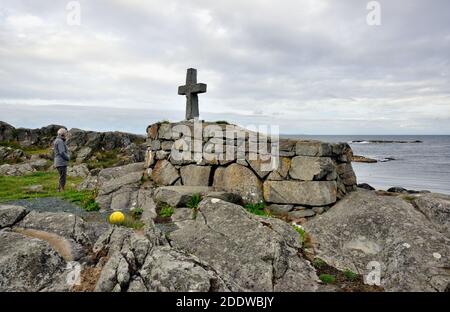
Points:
[(61, 157)]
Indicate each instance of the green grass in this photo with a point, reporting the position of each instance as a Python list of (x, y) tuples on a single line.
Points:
[(352, 276), (301, 232), (132, 222), (14, 188), (137, 213), (105, 159), (327, 278), (166, 211), (318, 263), (194, 201), (222, 122), (257, 209)]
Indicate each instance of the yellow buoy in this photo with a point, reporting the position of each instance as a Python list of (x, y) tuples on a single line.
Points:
[(116, 217)]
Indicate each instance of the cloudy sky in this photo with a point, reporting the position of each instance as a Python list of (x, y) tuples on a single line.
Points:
[(310, 66)]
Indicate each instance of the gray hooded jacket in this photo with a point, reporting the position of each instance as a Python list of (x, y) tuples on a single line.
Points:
[(61, 153)]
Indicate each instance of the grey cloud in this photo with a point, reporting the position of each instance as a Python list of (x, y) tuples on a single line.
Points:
[(297, 63)]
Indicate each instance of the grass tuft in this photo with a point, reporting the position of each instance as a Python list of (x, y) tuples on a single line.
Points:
[(258, 209), (352, 276), (166, 211), (327, 278)]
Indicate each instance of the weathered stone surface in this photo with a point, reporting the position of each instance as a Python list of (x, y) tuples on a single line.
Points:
[(298, 214), (308, 168), (365, 227), (28, 264), (10, 215), (241, 180), (280, 210), (262, 167), (164, 173), (310, 193), (346, 174), (63, 224), (167, 269), (165, 131), (226, 196), (193, 175), (313, 148), (25, 168), (282, 171), (178, 196), (436, 207), (152, 131), (256, 254), (78, 171), (10, 155), (84, 154), (118, 187)]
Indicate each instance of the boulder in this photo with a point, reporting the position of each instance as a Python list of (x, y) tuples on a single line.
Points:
[(147, 263), (436, 207), (118, 187), (193, 175), (179, 196), (366, 186), (10, 215), (281, 173), (81, 171), (164, 173), (84, 154), (310, 193), (279, 210), (411, 252), (255, 253), (308, 168), (10, 155), (240, 180), (63, 224), (29, 264), (313, 148)]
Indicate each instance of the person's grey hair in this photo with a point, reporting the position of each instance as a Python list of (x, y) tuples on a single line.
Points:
[(62, 132)]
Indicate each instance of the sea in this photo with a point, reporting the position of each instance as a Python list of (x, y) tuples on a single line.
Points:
[(415, 166)]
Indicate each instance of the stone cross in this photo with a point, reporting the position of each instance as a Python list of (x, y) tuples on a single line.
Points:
[(191, 89)]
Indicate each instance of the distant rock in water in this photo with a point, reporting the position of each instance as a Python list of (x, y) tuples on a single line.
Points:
[(382, 141), (363, 159), (386, 159), (366, 186)]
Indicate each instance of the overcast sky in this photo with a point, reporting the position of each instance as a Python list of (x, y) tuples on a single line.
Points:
[(312, 66)]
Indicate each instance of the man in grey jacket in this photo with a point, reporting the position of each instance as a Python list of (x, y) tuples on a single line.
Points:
[(62, 157)]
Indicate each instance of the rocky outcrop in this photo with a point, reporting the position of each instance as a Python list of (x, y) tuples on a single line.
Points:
[(24, 168), (42, 137), (85, 146), (10, 155), (412, 252), (436, 208), (10, 215), (29, 264), (118, 187), (257, 254)]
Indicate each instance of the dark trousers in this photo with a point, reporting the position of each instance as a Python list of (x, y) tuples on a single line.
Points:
[(62, 177)]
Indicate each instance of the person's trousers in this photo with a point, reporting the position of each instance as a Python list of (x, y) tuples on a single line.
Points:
[(62, 177)]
